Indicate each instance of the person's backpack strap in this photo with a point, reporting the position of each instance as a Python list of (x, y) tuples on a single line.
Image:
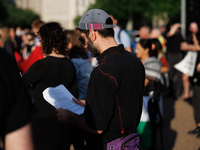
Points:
[(119, 33)]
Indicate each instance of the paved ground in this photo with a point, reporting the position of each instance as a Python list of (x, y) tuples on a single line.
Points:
[(178, 120)]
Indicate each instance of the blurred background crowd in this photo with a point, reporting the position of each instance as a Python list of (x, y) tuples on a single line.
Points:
[(155, 25)]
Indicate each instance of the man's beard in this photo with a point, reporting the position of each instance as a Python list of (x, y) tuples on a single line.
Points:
[(92, 49)]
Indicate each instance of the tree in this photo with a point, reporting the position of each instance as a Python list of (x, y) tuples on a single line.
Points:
[(76, 20), (162, 10), (17, 16), (140, 11), (3, 12)]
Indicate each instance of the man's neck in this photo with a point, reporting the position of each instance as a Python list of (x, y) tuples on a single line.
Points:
[(105, 43)]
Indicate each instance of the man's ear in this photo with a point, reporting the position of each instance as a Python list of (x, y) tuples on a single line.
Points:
[(92, 34)]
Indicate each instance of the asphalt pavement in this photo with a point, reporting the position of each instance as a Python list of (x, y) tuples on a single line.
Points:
[(178, 120)]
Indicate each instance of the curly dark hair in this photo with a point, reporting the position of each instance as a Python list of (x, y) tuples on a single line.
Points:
[(52, 36)]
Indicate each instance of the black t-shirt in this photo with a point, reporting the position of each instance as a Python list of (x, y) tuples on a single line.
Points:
[(15, 102), (9, 47), (189, 39), (173, 43), (19, 42), (119, 77), (50, 72)]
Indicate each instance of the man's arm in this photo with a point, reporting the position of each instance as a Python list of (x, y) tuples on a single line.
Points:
[(19, 139), (185, 47), (192, 47), (173, 29), (66, 116)]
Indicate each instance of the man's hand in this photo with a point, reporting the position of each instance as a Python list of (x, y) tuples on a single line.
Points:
[(79, 102), (64, 115), (198, 67)]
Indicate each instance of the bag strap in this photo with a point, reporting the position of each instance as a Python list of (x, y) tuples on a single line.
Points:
[(119, 33)]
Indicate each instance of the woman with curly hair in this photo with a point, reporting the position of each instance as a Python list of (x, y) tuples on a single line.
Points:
[(51, 71)]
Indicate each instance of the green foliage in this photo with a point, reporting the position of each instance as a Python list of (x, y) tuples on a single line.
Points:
[(119, 8), (76, 20), (3, 13), (141, 11), (18, 17)]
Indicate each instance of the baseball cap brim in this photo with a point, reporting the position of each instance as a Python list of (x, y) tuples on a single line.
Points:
[(94, 26), (94, 19)]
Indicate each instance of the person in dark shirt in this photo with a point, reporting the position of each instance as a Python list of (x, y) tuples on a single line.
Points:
[(15, 39), (174, 56), (197, 90), (189, 40), (53, 70), (15, 107), (195, 84), (6, 41), (114, 96)]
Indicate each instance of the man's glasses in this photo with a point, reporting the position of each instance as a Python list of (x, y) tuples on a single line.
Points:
[(82, 40)]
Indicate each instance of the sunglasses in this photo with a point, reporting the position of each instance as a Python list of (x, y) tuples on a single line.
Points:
[(82, 40)]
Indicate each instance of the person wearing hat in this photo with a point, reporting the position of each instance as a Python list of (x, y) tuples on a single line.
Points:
[(114, 96)]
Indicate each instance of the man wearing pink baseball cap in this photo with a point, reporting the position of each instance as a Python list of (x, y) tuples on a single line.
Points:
[(114, 97)]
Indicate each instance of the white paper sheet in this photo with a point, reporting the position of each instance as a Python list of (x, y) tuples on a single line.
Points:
[(60, 97), (187, 65)]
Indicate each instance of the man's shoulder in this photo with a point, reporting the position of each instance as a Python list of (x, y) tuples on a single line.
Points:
[(122, 59)]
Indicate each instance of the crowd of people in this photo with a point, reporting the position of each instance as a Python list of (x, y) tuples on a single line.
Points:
[(97, 64)]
